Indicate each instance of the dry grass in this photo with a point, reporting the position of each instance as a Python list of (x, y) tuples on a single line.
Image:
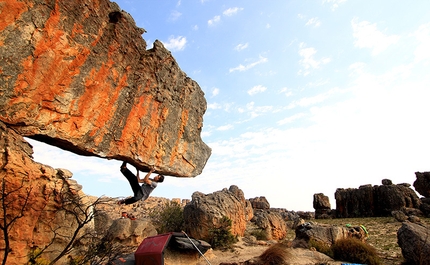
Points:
[(382, 235), (275, 255)]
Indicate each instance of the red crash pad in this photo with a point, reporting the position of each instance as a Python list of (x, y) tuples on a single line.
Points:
[(151, 250)]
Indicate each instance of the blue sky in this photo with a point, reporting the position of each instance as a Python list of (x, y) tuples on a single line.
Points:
[(303, 96)]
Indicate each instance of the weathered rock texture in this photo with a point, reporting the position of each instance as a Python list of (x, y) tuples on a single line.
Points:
[(33, 195), (205, 211), (77, 75), (422, 183), (414, 241), (375, 201), (271, 222), (326, 234), (322, 206)]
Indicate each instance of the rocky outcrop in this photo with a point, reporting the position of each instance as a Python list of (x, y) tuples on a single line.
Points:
[(422, 183), (414, 241), (422, 186), (77, 75), (206, 211), (130, 232), (322, 206), (271, 222), (260, 203), (326, 234), (33, 201), (374, 201)]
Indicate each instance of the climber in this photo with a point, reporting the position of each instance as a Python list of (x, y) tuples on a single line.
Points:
[(140, 192)]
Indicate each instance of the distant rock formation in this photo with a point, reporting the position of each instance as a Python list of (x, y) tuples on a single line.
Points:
[(413, 239), (77, 75), (375, 201), (422, 183), (205, 211), (322, 206), (422, 186)]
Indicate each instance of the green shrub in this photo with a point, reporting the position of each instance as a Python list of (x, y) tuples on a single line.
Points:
[(321, 247), (260, 234), (221, 236), (170, 218), (354, 250)]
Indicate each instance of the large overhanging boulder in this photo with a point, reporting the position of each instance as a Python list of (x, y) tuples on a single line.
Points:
[(77, 75)]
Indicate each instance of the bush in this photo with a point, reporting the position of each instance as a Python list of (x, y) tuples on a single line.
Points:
[(259, 234), (35, 258), (321, 247), (275, 255), (170, 218), (221, 236), (354, 250)]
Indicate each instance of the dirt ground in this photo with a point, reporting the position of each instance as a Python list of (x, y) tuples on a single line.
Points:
[(382, 236)]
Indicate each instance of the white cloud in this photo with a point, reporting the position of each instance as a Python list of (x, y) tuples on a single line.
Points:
[(225, 127), (286, 91), (174, 15), (256, 89), (242, 68), (214, 106), (241, 46), (309, 101), (195, 27), (214, 20), (268, 26), (308, 60), (176, 43), (367, 35), (422, 52), (313, 22), (255, 111), (291, 118), (231, 11), (215, 91), (335, 3)]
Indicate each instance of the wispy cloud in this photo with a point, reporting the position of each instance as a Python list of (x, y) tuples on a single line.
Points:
[(241, 46), (215, 91), (309, 101), (286, 91), (176, 43), (174, 15), (308, 60), (422, 34), (242, 67), (290, 119), (225, 127), (367, 35), (334, 3), (232, 11), (256, 89), (256, 111), (214, 20), (313, 22)]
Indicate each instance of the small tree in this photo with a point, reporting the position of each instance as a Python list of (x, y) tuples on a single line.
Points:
[(170, 218), (9, 196), (221, 236)]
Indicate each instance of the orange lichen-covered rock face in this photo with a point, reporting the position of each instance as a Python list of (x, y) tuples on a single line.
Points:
[(77, 75)]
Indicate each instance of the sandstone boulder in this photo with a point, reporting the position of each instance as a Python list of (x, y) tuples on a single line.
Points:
[(271, 222), (374, 201), (422, 183), (327, 234), (260, 203), (205, 211), (33, 200), (414, 241), (77, 75), (322, 206), (130, 232)]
